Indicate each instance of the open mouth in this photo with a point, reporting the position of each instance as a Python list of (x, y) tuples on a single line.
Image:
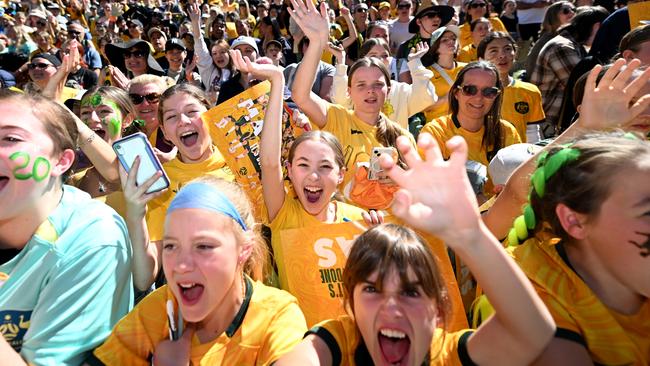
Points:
[(3, 182), (100, 132), (371, 100), (189, 138), (313, 194), (476, 106), (394, 346), (190, 292)]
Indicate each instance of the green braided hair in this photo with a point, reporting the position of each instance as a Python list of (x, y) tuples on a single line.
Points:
[(579, 175)]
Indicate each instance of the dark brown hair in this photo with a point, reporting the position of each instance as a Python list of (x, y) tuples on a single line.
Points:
[(388, 247), (186, 88), (493, 36), (324, 137), (493, 139)]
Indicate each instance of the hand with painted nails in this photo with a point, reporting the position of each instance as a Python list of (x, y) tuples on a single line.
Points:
[(313, 22), (435, 195)]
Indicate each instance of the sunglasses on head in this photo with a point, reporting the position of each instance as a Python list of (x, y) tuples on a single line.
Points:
[(41, 66), (136, 54), (472, 90), (568, 10), (151, 98), (477, 5)]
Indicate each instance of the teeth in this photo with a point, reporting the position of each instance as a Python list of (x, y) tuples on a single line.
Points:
[(186, 285), (392, 333), (184, 134), (313, 189)]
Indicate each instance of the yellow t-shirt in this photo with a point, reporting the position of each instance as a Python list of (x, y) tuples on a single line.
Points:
[(356, 137), (443, 128), (180, 173), (292, 216), (522, 104), (466, 34), (442, 88), (610, 338), (468, 54), (342, 338), (269, 324)]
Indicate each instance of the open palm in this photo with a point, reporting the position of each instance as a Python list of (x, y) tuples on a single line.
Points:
[(435, 194), (314, 24)]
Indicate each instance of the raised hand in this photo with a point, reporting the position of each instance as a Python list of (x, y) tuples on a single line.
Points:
[(260, 71), (70, 62), (118, 79), (194, 12), (338, 52), (435, 194), (420, 50), (613, 102), (136, 197), (314, 24)]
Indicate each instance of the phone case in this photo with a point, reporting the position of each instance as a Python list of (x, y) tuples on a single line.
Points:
[(128, 148), (374, 169)]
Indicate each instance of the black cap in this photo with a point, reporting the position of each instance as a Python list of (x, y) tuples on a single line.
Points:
[(443, 11), (50, 57), (176, 43)]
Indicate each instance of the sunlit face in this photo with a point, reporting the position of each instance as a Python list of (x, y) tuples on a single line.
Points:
[(477, 106), (501, 53), (158, 41), (27, 161), (41, 70), (147, 110), (380, 32), (183, 127), (360, 15), (200, 260), (380, 53), (567, 13), (404, 9), (247, 51), (448, 43), (643, 54), (619, 234), (218, 29), (480, 31), (274, 52), (175, 57), (368, 89), (220, 56), (315, 175), (104, 118), (396, 322), (429, 23)]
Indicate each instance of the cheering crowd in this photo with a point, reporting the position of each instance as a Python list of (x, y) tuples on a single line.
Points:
[(345, 182)]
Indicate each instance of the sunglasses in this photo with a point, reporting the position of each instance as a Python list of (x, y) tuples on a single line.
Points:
[(38, 66), (567, 11), (403, 6), (41, 24), (152, 98), (472, 90), (136, 54), (477, 5), (73, 33), (361, 10)]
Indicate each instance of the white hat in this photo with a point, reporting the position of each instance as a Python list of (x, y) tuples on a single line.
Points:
[(508, 159), (245, 40)]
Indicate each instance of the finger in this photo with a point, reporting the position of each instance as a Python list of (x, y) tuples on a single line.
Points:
[(144, 187), (188, 334), (395, 172), (323, 10), (123, 175), (624, 76), (373, 217), (641, 105), (611, 73), (401, 203), (149, 196), (458, 148), (430, 147), (410, 154), (380, 216), (366, 218), (638, 83), (590, 85), (133, 173)]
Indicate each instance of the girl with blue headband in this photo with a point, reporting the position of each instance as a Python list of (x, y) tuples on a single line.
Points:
[(582, 211), (213, 308)]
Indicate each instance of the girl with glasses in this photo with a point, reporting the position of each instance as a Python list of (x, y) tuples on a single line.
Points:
[(475, 106), (477, 9)]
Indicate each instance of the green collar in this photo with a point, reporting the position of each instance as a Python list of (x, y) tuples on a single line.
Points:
[(239, 318)]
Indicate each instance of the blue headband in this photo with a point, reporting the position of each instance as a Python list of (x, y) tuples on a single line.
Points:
[(205, 196)]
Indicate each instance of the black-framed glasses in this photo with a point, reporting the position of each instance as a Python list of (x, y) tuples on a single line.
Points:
[(471, 90), (41, 24), (73, 32), (41, 66), (152, 98), (568, 10), (361, 10), (404, 6), (477, 5), (136, 54)]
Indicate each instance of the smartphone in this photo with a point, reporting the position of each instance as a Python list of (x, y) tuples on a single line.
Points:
[(374, 170), (128, 148)]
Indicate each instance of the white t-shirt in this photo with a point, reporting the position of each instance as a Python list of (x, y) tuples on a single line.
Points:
[(531, 16), (399, 33)]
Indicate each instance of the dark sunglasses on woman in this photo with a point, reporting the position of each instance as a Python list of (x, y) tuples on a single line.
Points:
[(136, 54), (472, 90), (151, 98), (477, 5)]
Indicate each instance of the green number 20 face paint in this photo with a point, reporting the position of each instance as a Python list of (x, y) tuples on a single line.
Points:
[(40, 169)]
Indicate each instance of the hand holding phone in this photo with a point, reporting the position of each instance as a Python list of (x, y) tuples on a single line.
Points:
[(375, 172), (137, 145)]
